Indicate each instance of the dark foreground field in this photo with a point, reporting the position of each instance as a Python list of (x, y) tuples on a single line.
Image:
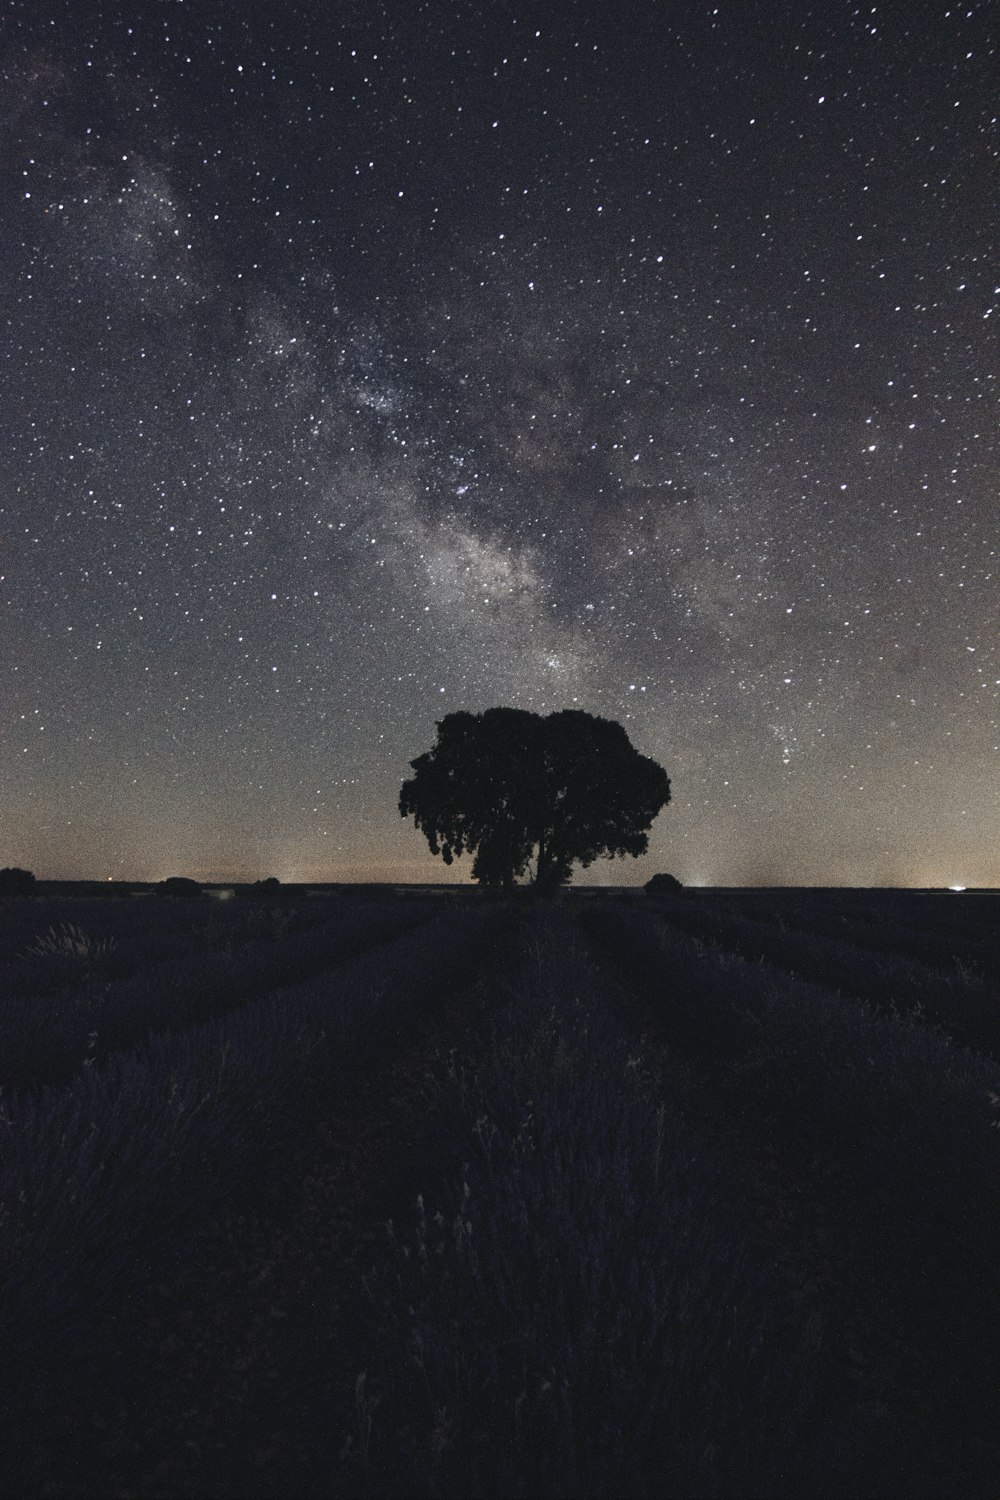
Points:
[(386, 1195)]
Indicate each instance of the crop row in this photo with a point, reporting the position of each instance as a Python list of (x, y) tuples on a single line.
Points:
[(885, 1124), (945, 933), (575, 1302), (964, 1005), (48, 942), (97, 1177), (664, 1220), (48, 1037)]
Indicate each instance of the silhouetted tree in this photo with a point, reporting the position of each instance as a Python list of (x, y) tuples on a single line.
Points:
[(177, 885), (15, 882), (510, 787), (663, 884), (270, 887)]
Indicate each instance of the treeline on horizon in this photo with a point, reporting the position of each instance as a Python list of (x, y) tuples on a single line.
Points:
[(20, 882)]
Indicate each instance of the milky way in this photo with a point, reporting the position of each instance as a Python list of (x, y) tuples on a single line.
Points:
[(363, 363)]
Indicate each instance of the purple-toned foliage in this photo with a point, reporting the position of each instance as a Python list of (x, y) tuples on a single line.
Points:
[(925, 931), (896, 1122), (961, 1003), (48, 1037), (578, 1305), (818, 1054), (934, 928), (666, 1194), (97, 1176)]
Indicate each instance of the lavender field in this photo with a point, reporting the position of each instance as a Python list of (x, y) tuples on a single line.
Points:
[(431, 1195)]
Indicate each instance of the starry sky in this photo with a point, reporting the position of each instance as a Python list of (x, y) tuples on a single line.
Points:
[(364, 362)]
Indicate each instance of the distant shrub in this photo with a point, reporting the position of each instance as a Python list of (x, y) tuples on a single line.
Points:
[(15, 882), (272, 891), (177, 885), (663, 885), (270, 887)]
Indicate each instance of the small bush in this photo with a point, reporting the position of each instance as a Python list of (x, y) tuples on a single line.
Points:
[(15, 882), (663, 885)]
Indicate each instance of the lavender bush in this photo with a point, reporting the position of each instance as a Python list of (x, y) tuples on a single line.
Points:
[(98, 1176), (888, 1130), (48, 1037), (578, 1306)]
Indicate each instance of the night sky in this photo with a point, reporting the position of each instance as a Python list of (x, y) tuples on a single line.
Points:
[(365, 362)]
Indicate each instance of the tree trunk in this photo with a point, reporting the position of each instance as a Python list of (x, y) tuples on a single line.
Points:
[(549, 869)]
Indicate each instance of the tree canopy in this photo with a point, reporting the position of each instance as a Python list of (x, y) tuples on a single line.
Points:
[(177, 885), (512, 787)]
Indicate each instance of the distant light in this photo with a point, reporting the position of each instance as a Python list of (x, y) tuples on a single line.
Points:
[(956, 888)]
